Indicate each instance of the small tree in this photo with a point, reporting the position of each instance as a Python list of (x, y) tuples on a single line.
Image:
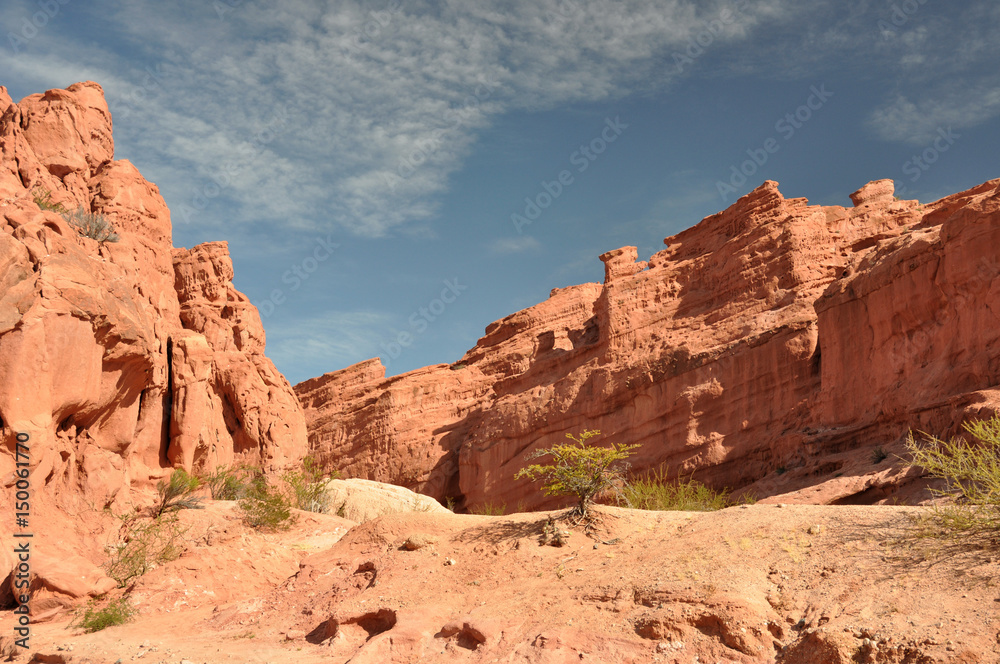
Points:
[(175, 494), (579, 469)]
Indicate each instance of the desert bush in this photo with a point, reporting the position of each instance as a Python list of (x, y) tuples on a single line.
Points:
[(307, 487), (265, 507), (489, 508), (141, 545), (580, 469), (115, 612), (878, 455), (176, 493), (43, 199), (92, 225), (655, 491), (971, 472), (228, 482)]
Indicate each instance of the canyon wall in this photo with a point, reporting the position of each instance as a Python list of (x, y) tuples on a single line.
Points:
[(119, 359), (773, 347)]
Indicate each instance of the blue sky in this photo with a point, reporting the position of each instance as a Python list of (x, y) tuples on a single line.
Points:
[(364, 159)]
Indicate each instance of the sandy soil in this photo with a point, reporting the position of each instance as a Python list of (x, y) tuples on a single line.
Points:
[(760, 583)]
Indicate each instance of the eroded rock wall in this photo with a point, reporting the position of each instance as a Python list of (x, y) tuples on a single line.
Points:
[(120, 359), (772, 346)]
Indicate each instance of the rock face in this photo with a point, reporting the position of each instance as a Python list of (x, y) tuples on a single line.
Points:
[(119, 360), (773, 346)]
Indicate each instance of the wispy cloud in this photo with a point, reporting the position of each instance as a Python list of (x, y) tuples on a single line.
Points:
[(515, 245), (308, 347), (918, 122), (382, 105)]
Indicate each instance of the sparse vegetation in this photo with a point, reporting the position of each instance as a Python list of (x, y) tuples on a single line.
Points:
[(878, 455), (655, 491), (92, 225), (581, 470), (308, 487), (43, 199), (265, 507), (972, 475), (141, 546), (116, 612), (228, 482), (489, 508), (176, 493), (88, 224)]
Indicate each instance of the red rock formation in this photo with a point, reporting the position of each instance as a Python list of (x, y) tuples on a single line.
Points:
[(118, 359), (248, 405), (773, 336)]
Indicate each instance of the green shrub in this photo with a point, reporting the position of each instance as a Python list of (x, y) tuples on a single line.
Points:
[(116, 612), (141, 545), (655, 491), (43, 199), (175, 494), (92, 225), (580, 470), (228, 482), (971, 472), (265, 507), (308, 487)]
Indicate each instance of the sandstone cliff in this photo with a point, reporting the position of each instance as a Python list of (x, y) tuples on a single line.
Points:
[(773, 346), (119, 359)]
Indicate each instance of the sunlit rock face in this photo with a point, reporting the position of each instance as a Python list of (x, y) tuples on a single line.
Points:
[(772, 346)]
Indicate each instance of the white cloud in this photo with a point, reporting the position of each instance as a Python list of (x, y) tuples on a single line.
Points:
[(383, 106), (919, 123), (515, 245), (309, 346)]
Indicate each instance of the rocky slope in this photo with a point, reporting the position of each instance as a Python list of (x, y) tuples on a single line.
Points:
[(773, 346), (119, 360)]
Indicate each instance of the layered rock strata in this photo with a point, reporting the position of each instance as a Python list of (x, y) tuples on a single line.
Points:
[(774, 346)]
